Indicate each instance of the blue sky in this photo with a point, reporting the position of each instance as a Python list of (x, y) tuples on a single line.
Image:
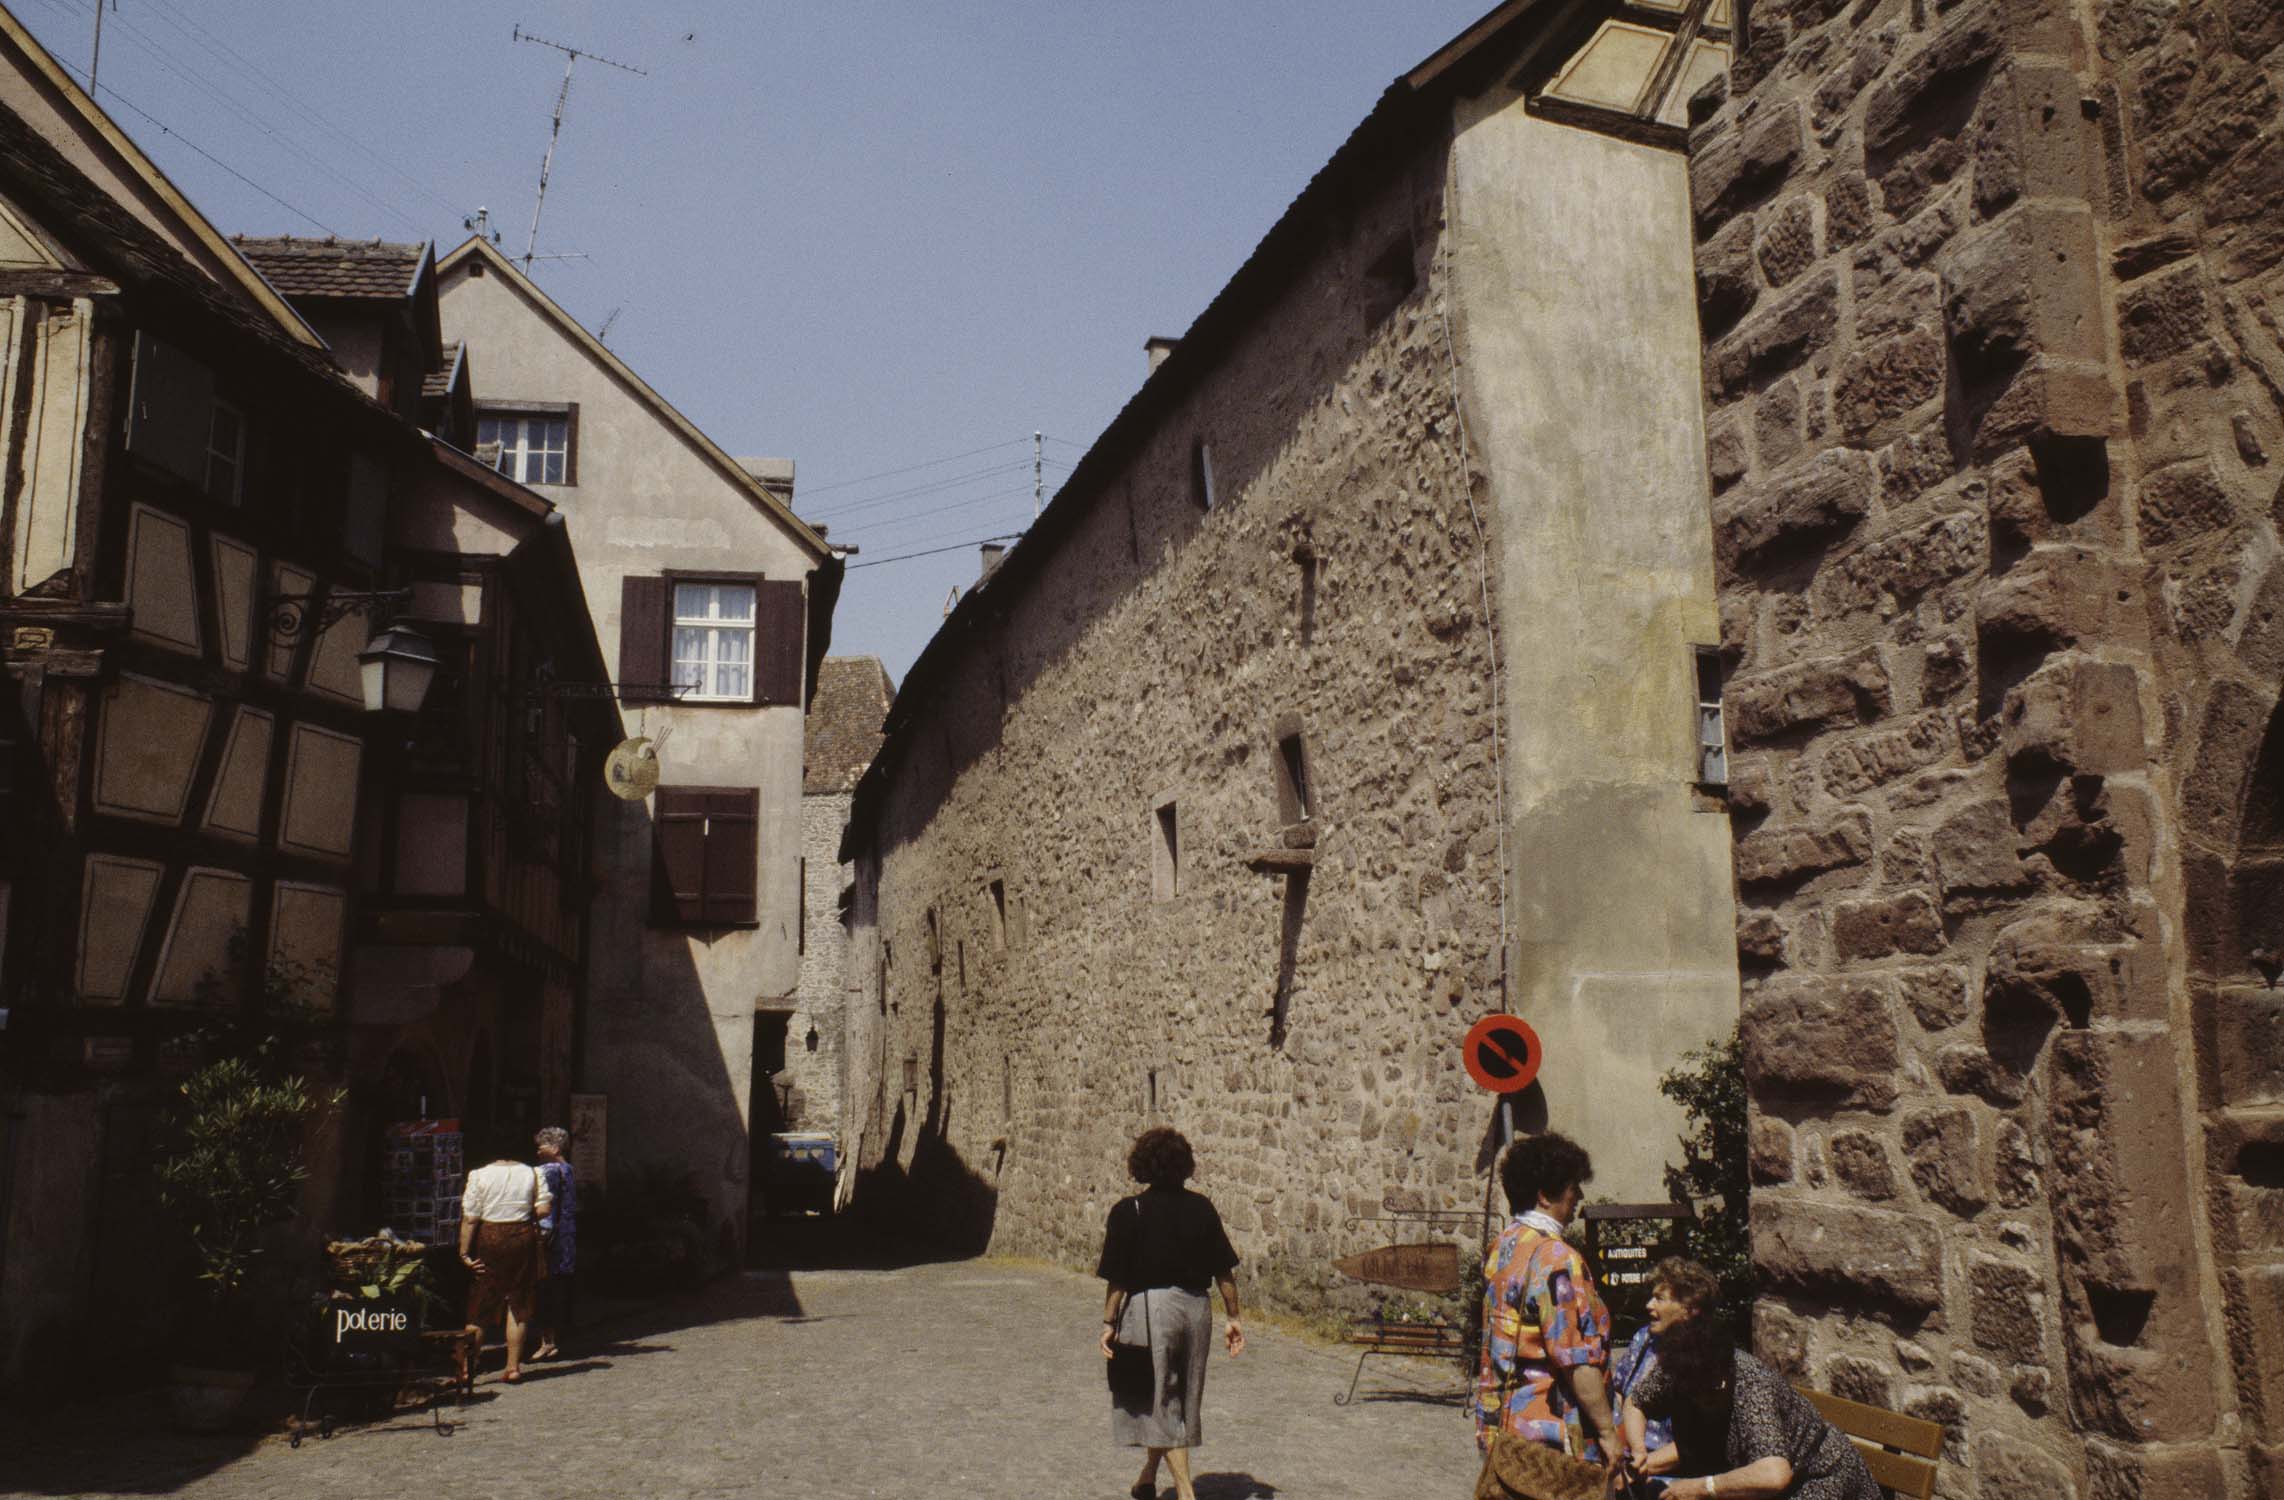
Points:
[(868, 237)]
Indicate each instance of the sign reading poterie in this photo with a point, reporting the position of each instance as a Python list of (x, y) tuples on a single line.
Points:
[(368, 1320), (1502, 1054)]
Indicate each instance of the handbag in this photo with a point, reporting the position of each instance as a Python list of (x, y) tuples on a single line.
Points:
[(1130, 1366), (1515, 1468)]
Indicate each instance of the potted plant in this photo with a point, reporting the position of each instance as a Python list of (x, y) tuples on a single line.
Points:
[(230, 1166)]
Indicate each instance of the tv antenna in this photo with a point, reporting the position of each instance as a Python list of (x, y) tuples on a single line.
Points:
[(571, 56)]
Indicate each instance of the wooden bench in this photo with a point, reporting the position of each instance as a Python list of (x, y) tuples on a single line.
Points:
[(1899, 1450), (1392, 1336)]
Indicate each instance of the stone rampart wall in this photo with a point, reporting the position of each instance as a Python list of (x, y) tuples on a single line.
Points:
[(1301, 1035)]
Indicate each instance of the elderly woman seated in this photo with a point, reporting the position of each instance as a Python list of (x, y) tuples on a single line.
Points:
[(1740, 1432)]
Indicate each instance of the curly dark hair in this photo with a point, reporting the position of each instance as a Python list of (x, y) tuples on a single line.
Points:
[(1690, 1284), (1543, 1166), (1161, 1157)]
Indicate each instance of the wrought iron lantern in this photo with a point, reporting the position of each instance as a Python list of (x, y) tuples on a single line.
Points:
[(398, 665)]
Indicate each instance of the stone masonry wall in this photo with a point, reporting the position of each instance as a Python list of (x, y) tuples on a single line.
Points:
[(1300, 1034), (820, 1002), (1994, 382)]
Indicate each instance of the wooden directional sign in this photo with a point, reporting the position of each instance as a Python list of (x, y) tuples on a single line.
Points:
[(1502, 1054), (1433, 1268)]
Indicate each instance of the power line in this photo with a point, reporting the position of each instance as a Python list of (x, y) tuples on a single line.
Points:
[(881, 562), (939, 510), (165, 129), (932, 487), (214, 44), (183, 71), (842, 484)]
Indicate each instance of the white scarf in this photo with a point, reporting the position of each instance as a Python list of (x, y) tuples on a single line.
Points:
[(1544, 1223)]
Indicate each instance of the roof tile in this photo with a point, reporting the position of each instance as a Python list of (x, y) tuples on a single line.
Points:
[(843, 733), (330, 267)]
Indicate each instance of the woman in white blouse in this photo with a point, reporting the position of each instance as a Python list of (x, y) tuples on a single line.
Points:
[(500, 1210)]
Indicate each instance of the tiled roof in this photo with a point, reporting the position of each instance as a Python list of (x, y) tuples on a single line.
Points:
[(853, 695), (438, 382), (332, 267)]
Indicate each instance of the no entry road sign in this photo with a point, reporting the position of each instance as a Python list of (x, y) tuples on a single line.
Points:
[(1502, 1054)]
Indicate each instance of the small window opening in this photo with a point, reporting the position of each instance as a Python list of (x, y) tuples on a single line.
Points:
[(1305, 557), (998, 893), (961, 952), (1166, 869), (801, 922), (1153, 1093), (810, 1041), (1201, 474), (1288, 956), (1712, 735), (1007, 1088), (881, 994), (912, 1074), (1294, 802), (935, 945)]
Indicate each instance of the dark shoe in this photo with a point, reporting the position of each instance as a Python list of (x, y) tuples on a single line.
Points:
[(1143, 1491)]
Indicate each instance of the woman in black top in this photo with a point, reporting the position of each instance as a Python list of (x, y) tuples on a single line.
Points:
[(1160, 1251)]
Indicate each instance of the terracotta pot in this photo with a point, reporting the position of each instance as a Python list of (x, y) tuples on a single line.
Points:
[(206, 1400)]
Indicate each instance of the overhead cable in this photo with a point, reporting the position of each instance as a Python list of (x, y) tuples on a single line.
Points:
[(881, 562)]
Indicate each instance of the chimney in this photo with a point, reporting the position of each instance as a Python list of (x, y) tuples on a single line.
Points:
[(992, 553), (1158, 346)]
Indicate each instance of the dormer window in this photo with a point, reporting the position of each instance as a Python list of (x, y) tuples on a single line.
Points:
[(531, 445), (1647, 65)]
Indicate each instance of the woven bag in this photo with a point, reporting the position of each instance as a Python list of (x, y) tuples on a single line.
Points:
[(1515, 1468)]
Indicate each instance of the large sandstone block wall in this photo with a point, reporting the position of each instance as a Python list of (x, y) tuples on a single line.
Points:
[(1995, 394), (1302, 1035)]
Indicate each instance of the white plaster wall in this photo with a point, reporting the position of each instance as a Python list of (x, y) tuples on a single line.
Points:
[(1577, 332), (672, 1010)]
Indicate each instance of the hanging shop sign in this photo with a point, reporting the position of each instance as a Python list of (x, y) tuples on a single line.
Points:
[(1502, 1054), (631, 771)]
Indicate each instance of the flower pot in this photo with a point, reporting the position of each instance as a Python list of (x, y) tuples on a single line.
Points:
[(207, 1400)]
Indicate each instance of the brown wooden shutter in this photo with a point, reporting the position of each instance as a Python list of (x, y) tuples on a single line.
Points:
[(642, 639), (678, 876), (733, 854), (708, 843), (780, 620)]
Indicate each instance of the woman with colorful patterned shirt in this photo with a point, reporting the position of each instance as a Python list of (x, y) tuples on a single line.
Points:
[(1546, 1334)]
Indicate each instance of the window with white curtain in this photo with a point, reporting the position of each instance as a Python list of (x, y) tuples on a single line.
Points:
[(532, 449), (713, 642)]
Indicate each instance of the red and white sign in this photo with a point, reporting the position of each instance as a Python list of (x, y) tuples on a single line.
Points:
[(1502, 1054)]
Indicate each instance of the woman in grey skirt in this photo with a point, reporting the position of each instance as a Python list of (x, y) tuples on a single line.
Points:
[(1161, 1250)]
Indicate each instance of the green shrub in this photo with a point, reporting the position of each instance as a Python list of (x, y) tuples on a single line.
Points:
[(1714, 1172)]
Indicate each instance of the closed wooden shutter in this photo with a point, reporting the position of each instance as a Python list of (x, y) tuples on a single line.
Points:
[(733, 855), (780, 618), (708, 848), (678, 876), (642, 639)]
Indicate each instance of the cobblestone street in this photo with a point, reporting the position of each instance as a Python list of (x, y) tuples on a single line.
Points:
[(964, 1377)]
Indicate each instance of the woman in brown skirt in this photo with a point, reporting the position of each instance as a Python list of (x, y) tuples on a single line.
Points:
[(500, 1210)]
